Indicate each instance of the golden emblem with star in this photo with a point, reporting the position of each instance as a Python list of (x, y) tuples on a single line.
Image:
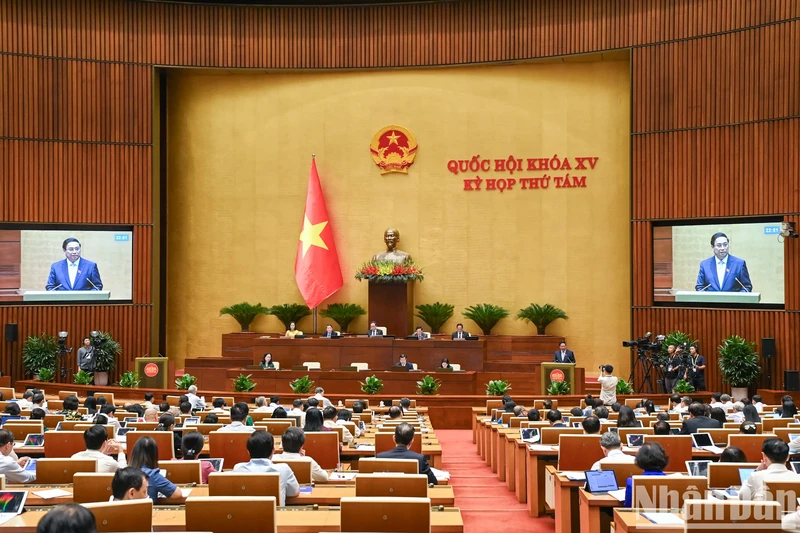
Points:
[(393, 149)]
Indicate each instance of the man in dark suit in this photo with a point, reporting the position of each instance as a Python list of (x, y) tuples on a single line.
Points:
[(723, 272), (74, 273), (404, 362), (329, 333), (698, 419), (419, 334), (403, 435), (459, 333), (373, 330), (555, 418), (563, 355)]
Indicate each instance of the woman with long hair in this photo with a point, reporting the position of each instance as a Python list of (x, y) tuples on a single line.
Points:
[(144, 456), (751, 414), (166, 422), (627, 418), (314, 420), (191, 446)]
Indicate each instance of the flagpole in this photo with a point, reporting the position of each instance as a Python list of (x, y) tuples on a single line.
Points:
[(315, 321)]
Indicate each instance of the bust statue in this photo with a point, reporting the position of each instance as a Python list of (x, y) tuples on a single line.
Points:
[(391, 237)]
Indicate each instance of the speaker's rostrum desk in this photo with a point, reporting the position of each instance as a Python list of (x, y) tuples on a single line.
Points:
[(153, 372), (566, 369), (718, 297), (64, 296)]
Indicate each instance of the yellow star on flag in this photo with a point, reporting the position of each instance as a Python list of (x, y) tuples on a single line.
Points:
[(311, 235), (393, 138)]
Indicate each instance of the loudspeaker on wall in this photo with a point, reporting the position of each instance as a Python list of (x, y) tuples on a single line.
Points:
[(11, 332), (767, 348), (791, 380)]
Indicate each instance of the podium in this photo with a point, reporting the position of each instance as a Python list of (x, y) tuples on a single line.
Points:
[(718, 297), (65, 296), (553, 371), (392, 305), (153, 371)]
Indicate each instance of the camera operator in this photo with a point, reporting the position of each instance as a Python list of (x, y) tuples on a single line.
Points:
[(674, 367), (86, 356), (696, 369), (608, 385)]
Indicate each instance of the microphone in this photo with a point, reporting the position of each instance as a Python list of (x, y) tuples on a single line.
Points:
[(93, 285), (54, 288), (704, 288), (742, 285)]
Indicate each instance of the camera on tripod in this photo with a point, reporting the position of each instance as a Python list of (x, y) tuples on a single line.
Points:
[(646, 343), (97, 339)]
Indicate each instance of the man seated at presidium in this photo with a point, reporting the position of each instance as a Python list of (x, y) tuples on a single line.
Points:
[(563, 355), (459, 333), (74, 273), (419, 334), (404, 362), (373, 330), (391, 237), (403, 436), (723, 272), (329, 333)]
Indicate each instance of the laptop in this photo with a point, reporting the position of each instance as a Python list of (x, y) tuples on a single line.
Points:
[(13, 502), (795, 466), (529, 434), (674, 431), (216, 463), (30, 466), (703, 441), (34, 439), (565, 420), (191, 421), (122, 432), (58, 427), (744, 474), (635, 439), (131, 419), (614, 429), (577, 424), (601, 481), (697, 468)]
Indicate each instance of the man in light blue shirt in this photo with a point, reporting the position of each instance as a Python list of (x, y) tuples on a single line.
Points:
[(261, 445)]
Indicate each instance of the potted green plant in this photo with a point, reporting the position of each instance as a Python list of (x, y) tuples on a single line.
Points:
[(244, 313), (682, 387), (497, 387), (47, 374), (623, 387), (82, 378), (558, 388), (185, 381), (129, 380), (486, 316), (301, 385), (288, 313), (243, 383), (428, 386), (343, 314), (371, 385), (739, 365), (106, 351), (435, 314), (673, 338), (541, 316), (39, 353)]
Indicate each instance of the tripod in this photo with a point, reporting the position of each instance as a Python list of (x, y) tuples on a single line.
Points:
[(646, 365)]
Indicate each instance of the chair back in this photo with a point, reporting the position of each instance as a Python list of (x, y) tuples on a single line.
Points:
[(666, 492), (749, 444), (413, 403), (142, 426), (8, 393), (391, 515), (677, 447), (301, 469), (254, 514), (244, 484), (258, 416), (182, 472), (62, 395), (20, 428), (370, 465), (229, 400), (783, 491), (323, 447), (275, 426), (622, 471), (769, 424), (111, 431), (719, 436), (88, 487), (632, 402), (384, 441), (230, 445), (339, 430), (129, 515), (455, 366), (392, 486), (205, 429), (164, 441), (51, 421), (109, 396), (60, 471), (709, 516), (724, 475), (63, 443), (174, 401), (350, 401), (312, 365), (493, 404), (360, 366), (539, 404), (551, 435), (783, 433), (351, 427), (578, 452), (55, 405), (69, 425)]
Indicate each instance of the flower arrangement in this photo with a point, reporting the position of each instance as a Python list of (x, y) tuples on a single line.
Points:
[(389, 271)]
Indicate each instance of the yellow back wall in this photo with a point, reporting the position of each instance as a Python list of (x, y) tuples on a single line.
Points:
[(239, 151)]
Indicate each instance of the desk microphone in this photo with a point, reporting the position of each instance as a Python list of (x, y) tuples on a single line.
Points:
[(54, 288), (704, 288), (741, 285), (93, 285)]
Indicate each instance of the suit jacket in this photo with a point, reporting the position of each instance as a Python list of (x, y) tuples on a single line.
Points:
[(333, 335), (407, 365), (401, 452), (692, 425), (419, 338), (735, 269), (378, 333), (570, 357), (464, 335), (87, 270)]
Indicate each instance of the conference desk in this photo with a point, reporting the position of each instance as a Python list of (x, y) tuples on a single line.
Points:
[(594, 511), (289, 520)]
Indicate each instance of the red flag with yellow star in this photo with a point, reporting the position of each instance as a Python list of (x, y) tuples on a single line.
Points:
[(316, 267)]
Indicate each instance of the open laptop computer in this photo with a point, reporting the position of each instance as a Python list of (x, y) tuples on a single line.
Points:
[(34, 439), (529, 434), (674, 431), (795, 466), (215, 462), (744, 474), (697, 468), (601, 481), (635, 439), (703, 441), (11, 504), (122, 434)]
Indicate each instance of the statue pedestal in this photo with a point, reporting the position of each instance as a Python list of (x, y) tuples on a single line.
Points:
[(392, 305)]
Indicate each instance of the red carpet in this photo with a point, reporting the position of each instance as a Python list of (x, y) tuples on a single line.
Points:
[(486, 504)]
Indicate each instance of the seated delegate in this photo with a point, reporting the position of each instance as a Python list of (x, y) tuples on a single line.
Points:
[(266, 362), (404, 362), (292, 332)]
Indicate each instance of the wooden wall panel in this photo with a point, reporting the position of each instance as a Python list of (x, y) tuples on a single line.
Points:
[(45, 181)]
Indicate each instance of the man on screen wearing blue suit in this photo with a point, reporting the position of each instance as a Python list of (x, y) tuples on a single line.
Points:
[(74, 273), (723, 272)]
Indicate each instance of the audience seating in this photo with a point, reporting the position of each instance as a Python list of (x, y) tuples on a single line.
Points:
[(64, 393), (749, 444), (412, 406), (578, 452), (783, 433), (109, 396), (205, 429), (164, 441), (111, 430), (624, 432), (677, 447), (323, 447), (405, 486), (64, 443), (724, 475), (21, 428), (69, 425), (707, 516), (369, 465), (142, 426), (55, 405), (339, 430), (182, 472), (350, 401), (551, 435), (51, 421), (385, 441), (622, 471), (229, 400), (666, 492), (90, 487), (390, 515), (275, 426), (174, 401), (719, 436), (131, 515), (230, 445), (301, 469), (51, 471), (8, 393), (254, 514), (769, 424), (785, 492), (244, 484)]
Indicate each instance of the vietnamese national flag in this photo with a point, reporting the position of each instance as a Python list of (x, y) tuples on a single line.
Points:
[(316, 267)]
